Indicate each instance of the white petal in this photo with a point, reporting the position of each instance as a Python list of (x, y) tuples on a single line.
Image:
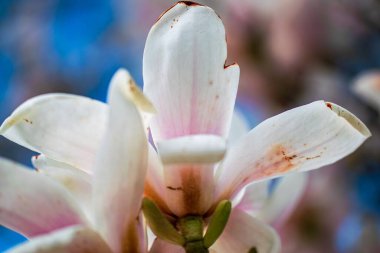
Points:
[(75, 239), (244, 232), (160, 246), (367, 86), (120, 171), (239, 127), (32, 204), (305, 138), (284, 198), (64, 127), (192, 149), (76, 181), (185, 74)]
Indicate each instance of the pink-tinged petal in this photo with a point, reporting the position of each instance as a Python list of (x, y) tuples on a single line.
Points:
[(120, 170), (284, 199), (185, 74), (76, 181), (254, 197), (154, 183), (189, 171), (301, 139), (76, 239), (160, 246), (32, 204), (64, 127), (367, 86), (244, 232)]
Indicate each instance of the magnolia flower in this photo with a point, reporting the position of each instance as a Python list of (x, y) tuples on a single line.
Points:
[(186, 79), (86, 194), (192, 171)]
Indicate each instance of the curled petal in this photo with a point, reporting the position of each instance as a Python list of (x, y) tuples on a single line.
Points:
[(120, 171), (185, 74), (244, 232), (192, 149), (66, 128), (76, 239), (305, 138), (32, 204)]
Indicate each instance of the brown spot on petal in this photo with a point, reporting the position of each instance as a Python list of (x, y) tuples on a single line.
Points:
[(191, 191), (276, 161), (230, 65), (313, 157), (174, 188), (189, 3), (329, 105), (28, 121)]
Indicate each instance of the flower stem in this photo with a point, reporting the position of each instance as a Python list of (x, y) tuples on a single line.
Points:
[(191, 228)]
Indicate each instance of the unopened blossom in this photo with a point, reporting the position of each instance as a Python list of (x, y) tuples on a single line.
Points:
[(86, 193), (193, 171)]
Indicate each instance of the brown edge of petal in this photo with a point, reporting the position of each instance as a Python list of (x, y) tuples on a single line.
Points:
[(187, 3), (230, 65), (354, 121)]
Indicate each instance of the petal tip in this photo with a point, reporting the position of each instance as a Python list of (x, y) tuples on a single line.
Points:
[(127, 86), (354, 121)]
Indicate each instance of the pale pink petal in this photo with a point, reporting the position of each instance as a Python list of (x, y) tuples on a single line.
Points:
[(76, 181), (305, 138), (367, 86), (284, 199), (254, 197), (189, 171), (244, 232), (160, 246), (154, 183), (76, 239), (120, 171), (185, 74), (32, 204), (64, 127)]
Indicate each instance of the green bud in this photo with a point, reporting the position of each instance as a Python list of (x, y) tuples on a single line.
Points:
[(217, 223), (158, 223)]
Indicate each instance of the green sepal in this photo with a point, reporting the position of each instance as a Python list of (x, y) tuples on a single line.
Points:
[(159, 225), (217, 223)]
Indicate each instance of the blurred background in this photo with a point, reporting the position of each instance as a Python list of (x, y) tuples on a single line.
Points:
[(291, 52)]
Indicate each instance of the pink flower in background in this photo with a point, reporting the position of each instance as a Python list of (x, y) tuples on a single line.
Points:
[(95, 157)]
